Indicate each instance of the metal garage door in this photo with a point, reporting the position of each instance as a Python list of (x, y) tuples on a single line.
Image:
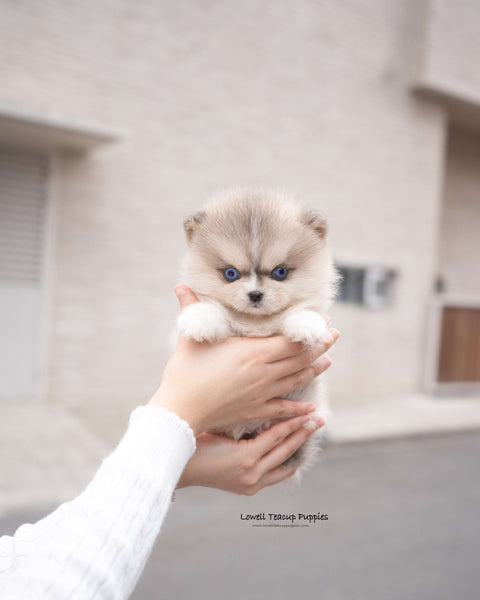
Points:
[(23, 198)]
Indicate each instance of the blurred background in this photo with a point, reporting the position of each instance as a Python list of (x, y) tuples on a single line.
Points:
[(119, 119)]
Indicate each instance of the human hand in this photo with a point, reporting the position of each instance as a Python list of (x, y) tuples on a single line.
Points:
[(239, 379), (247, 466)]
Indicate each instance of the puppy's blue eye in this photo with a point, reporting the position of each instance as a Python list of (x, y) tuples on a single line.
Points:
[(231, 274), (279, 273)]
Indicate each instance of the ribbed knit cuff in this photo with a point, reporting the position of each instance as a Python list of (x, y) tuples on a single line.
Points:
[(158, 437)]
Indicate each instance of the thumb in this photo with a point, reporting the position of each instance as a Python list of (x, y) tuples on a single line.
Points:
[(185, 295)]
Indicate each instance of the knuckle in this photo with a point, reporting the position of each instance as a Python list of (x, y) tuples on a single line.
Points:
[(250, 354), (295, 347), (248, 464), (275, 433), (309, 373), (249, 479), (289, 452), (292, 427), (300, 379), (286, 429), (248, 360), (257, 356), (310, 356)]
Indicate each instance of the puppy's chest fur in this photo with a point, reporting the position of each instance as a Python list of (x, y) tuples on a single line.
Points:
[(247, 326)]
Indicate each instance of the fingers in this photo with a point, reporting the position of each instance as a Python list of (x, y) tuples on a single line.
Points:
[(307, 357), (291, 382), (275, 476), (283, 408), (286, 438), (279, 347), (185, 295), (267, 440), (283, 451)]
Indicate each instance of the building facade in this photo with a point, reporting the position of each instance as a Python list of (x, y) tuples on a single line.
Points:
[(117, 120)]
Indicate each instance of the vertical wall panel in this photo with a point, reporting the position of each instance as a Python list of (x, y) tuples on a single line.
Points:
[(23, 197)]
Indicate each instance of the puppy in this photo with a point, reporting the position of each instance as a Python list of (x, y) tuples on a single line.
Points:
[(260, 265)]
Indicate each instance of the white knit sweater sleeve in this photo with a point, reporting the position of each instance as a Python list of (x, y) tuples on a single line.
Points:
[(96, 545)]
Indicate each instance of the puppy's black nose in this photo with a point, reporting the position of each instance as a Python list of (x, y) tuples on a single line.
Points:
[(255, 296)]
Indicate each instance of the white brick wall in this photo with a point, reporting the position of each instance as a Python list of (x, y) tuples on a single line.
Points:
[(306, 95)]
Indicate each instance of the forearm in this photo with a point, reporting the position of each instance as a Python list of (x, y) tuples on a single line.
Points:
[(96, 546)]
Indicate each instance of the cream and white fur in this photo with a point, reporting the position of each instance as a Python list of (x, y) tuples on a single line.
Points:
[(254, 232)]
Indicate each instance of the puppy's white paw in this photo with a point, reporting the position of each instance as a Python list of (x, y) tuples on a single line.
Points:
[(305, 326), (203, 322)]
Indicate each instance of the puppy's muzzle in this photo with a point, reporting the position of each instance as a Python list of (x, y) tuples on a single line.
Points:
[(255, 296)]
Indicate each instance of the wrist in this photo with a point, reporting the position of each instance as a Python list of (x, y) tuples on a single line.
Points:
[(176, 407), (183, 481)]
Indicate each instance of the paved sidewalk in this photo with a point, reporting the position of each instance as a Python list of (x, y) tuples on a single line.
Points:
[(402, 416), (47, 455)]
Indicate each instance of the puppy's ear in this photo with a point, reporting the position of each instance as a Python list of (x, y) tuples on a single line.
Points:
[(316, 222), (191, 223)]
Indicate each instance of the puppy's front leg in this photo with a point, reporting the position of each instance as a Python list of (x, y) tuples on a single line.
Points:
[(305, 326), (203, 322)]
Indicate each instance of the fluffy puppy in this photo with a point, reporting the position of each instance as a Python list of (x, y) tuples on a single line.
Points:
[(260, 265)]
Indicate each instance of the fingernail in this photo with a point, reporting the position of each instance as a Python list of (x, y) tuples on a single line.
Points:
[(335, 334), (319, 422), (326, 361), (312, 408), (304, 420), (310, 426)]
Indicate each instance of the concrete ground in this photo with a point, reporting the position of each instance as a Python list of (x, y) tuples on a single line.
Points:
[(402, 524)]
